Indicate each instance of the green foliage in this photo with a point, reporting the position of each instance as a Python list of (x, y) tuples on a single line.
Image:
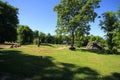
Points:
[(97, 39), (35, 37), (79, 41), (42, 37), (35, 41), (58, 39), (118, 28), (8, 22), (118, 34), (49, 38), (35, 34), (74, 16), (108, 24), (84, 40), (25, 34)]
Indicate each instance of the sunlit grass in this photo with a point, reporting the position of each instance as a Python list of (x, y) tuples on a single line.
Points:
[(89, 63)]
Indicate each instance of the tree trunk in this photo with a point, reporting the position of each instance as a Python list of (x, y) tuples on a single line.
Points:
[(72, 41)]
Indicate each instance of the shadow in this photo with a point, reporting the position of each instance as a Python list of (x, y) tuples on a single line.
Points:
[(93, 51), (1, 48), (114, 76), (14, 65), (103, 52), (22, 65)]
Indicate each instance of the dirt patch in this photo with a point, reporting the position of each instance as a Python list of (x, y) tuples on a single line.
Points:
[(4, 46)]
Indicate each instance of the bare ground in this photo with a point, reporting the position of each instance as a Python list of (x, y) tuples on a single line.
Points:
[(2, 46)]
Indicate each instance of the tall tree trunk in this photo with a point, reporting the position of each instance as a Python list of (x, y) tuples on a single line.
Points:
[(72, 41)]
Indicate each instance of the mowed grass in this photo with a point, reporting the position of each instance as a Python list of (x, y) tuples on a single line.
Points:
[(57, 62)]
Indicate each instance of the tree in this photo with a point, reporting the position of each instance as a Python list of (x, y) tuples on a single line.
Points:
[(25, 34), (74, 16), (8, 22), (118, 35), (35, 36), (81, 34), (118, 28), (49, 38), (57, 39), (42, 37), (108, 24)]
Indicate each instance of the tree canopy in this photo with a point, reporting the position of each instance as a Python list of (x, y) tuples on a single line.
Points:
[(118, 28), (109, 25), (8, 22), (25, 34), (74, 16)]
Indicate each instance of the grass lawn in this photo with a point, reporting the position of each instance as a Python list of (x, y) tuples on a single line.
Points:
[(56, 62)]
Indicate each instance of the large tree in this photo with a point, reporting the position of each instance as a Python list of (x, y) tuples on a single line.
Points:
[(109, 25), (25, 34), (74, 16), (8, 22), (118, 29)]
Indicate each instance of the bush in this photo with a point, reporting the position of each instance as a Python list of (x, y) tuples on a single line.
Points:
[(113, 51)]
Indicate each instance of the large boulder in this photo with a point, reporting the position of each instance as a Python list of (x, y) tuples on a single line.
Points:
[(15, 45), (94, 46)]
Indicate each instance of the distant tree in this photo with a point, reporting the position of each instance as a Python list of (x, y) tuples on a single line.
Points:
[(92, 38), (35, 34), (8, 22), (55, 39), (74, 16), (65, 37), (58, 39), (85, 40), (108, 24), (25, 34), (81, 41), (35, 37), (97, 39), (49, 38), (42, 37)]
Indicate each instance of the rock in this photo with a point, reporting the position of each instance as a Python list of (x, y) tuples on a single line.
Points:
[(15, 45), (94, 45)]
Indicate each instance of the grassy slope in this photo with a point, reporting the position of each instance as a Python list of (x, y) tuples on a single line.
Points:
[(53, 62)]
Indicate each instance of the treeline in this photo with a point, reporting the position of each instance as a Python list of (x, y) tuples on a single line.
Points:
[(27, 36)]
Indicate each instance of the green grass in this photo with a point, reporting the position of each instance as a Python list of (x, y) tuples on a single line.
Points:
[(57, 62)]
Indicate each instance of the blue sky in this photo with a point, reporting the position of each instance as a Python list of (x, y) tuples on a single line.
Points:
[(39, 14)]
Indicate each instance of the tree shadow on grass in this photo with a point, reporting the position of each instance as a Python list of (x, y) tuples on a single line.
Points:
[(94, 51), (113, 76), (14, 65), (103, 52)]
